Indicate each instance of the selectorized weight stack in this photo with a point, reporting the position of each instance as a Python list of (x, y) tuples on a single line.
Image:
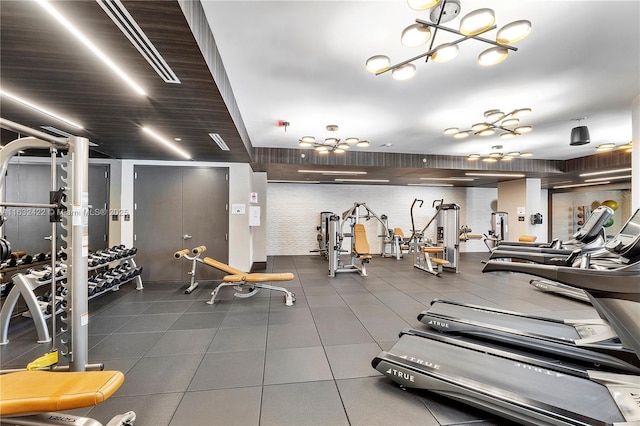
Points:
[(448, 234)]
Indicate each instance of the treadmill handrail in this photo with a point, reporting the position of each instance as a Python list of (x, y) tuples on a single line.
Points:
[(604, 281)]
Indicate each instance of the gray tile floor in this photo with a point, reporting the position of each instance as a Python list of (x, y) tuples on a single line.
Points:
[(256, 361)]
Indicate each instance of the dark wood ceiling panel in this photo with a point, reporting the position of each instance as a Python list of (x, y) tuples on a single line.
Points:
[(42, 62)]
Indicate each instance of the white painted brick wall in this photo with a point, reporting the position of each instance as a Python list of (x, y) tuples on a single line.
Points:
[(293, 212)]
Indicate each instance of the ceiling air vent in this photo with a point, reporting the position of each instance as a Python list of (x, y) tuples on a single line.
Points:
[(216, 137), (119, 15)]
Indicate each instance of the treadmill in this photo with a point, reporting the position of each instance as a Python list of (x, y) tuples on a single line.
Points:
[(592, 342), (527, 387), (591, 238)]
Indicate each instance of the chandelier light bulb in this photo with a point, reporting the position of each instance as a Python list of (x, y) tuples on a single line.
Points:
[(331, 141), (363, 144), (489, 160), (378, 63), (404, 72), (473, 157), (526, 154), (513, 154), (415, 35), (351, 141), (451, 131), (461, 135), (479, 127), (477, 21), (422, 4), (507, 135), (493, 115), (445, 53), (342, 146), (523, 129), (304, 144), (492, 56), (506, 158), (511, 122), (308, 139), (513, 32), (322, 149), (495, 155), (339, 151), (520, 112), (605, 147), (486, 132)]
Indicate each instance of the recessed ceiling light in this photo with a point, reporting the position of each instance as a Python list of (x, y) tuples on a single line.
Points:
[(293, 181), (166, 143), (461, 179), (362, 180), (605, 172), (430, 184), (514, 175), (39, 108), (608, 178), (333, 172), (91, 46), (580, 184)]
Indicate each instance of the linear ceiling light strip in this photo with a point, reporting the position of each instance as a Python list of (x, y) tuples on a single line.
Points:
[(39, 108), (89, 44), (130, 28), (166, 143)]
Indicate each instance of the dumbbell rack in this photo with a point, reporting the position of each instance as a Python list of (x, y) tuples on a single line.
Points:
[(25, 284)]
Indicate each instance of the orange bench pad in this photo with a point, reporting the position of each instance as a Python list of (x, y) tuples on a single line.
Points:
[(259, 277), (26, 392)]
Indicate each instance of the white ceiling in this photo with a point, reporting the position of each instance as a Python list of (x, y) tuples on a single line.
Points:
[(303, 62)]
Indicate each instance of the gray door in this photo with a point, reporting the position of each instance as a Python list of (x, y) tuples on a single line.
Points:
[(171, 205), (98, 200), (26, 228), (205, 196)]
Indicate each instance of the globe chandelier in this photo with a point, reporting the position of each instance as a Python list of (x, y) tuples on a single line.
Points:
[(472, 25)]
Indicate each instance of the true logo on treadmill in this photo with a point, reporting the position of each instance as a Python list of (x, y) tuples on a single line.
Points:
[(538, 370), (62, 419), (401, 374), (421, 362), (440, 324)]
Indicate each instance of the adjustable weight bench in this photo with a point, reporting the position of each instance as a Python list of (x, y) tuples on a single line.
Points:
[(254, 281), (236, 278), (33, 397)]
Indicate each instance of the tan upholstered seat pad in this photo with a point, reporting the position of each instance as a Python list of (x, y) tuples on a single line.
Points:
[(36, 391), (259, 277), (439, 261), (222, 266)]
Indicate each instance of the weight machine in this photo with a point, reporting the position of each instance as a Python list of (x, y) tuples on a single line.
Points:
[(323, 235), (445, 253), (26, 396), (359, 247), (499, 230)]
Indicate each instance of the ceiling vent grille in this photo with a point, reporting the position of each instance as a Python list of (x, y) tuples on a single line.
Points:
[(221, 143), (129, 27)]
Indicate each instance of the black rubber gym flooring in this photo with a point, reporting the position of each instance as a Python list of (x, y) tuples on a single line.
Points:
[(258, 362)]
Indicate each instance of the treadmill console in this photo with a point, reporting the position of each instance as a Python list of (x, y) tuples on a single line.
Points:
[(594, 224), (627, 242)]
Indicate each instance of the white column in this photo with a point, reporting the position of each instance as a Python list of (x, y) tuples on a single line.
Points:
[(635, 156)]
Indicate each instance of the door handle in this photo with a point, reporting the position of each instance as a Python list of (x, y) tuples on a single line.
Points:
[(187, 237)]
